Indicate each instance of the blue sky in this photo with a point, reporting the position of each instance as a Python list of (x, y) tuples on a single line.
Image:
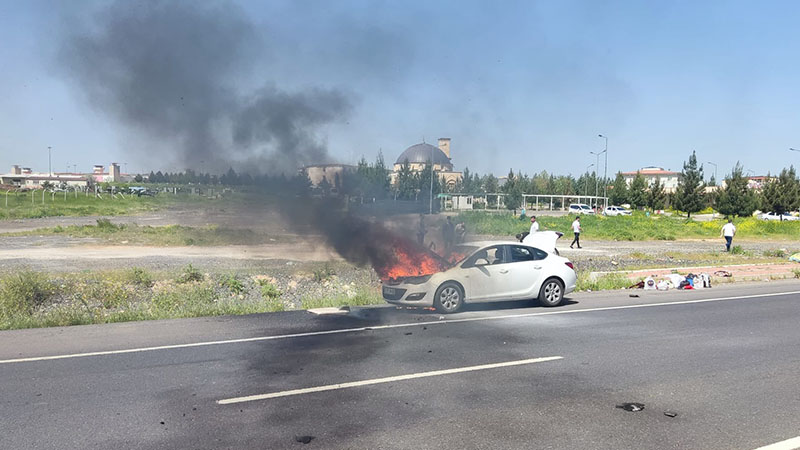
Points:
[(524, 85)]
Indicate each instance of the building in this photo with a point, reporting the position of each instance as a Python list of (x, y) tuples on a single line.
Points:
[(331, 173), (667, 178), (418, 156), (24, 177)]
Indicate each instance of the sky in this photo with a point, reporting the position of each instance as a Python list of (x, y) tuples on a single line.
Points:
[(515, 84)]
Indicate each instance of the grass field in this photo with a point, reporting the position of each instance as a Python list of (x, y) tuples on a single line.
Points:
[(165, 236), (631, 228)]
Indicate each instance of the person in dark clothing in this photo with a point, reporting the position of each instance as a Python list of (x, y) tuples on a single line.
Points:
[(421, 230), (448, 233)]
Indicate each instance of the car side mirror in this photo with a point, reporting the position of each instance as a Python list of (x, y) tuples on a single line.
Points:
[(481, 262)]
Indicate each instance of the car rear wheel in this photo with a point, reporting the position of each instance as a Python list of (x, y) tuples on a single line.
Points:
[(449, 298), (551, 293)]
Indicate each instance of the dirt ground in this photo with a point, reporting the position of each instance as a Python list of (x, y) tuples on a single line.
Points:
[(63, 253)]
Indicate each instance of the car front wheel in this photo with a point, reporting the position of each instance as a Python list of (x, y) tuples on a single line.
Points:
[(449, 298), (552, 292)]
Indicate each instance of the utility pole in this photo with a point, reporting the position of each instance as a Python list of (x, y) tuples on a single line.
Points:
[(49, 161), (431, 199), (605, 172)]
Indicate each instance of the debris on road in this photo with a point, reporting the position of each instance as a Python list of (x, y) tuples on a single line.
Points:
[(304, 439), (631, 407), (670, 413)]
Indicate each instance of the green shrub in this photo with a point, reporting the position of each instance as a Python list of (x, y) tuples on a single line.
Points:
[(140, 277), (190, 274), (775, 253), (796, 273), (184, 300), (107, 226), (268, 290), (233, 284), (737, 250), (25, 292), (602, 283), (323, 274)]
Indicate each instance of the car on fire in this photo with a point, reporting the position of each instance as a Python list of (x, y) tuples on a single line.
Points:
[(487, 271)]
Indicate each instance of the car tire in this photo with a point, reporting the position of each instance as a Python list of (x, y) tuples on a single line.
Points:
[(552, 292), (449, 298)]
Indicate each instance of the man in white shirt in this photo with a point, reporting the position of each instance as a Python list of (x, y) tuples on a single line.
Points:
[(576, 228), (534, 225), (728, 232)]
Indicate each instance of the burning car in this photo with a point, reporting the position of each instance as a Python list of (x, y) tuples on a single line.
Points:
[(486, 271)]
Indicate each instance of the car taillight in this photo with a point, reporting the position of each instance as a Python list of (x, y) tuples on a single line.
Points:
[(570, 265)]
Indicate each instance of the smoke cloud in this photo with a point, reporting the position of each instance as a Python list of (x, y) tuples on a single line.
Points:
[(168, 70)]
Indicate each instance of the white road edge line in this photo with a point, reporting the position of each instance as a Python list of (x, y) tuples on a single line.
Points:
[(789, 444), (382, 327), (411, 376)]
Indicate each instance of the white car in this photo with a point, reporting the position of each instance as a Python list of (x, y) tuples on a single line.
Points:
[(773, 216), (580, 208), (488, 271), (616, 211)]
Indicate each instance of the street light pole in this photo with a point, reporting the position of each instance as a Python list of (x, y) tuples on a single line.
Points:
[(605, 171), (715, 171), (586, 185), (430, 211), (49, 161), (596, 178)]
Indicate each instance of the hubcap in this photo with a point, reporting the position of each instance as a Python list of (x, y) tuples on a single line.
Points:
[(552, 292), (449, 298)]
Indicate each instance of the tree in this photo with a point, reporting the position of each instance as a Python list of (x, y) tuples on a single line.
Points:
[(656, 197), (513, 191), (619, 190), (781, 194), (138, 178), (405, 184), (736, 199), (637, 196), (690, 192), (712, 181)]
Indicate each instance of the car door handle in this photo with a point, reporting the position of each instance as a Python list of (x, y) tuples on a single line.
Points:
[(537, 267), (503, 270)]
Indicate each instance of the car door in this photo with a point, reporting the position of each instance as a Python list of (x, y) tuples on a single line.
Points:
[(525, 270), (486, 273)]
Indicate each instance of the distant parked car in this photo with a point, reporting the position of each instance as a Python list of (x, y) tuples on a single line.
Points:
[(616, 211), (580, 208), (773, 216), (140, 191)]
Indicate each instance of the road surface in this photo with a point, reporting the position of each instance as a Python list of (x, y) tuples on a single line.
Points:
[(722, 363)]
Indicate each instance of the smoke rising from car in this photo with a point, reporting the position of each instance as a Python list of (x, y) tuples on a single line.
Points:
[(167, 71)]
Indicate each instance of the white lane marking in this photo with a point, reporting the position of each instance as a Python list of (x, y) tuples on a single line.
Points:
[(382, 327), (434, 373), (789, 444)]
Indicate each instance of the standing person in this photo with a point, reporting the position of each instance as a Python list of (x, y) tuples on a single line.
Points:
[(421, 230), (448, 233), (576, 228), (461, 230), (728, 232), (534, 225)]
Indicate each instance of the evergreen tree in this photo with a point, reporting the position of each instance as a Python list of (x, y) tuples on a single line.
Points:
[(405, 184), (782, 194), (637, 196), (656, 197), (736, 199), (489, 184), (712, 181), (138, 178), (513, 191), (619, 191), (152, 177), (690, 192)]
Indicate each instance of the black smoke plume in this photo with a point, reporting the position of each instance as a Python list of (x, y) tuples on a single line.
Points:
[(168, 70)]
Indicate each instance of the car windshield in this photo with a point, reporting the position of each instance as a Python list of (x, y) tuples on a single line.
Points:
[(459, 253)]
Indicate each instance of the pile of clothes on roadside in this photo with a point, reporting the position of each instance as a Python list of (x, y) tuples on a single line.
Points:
[(675, 281)]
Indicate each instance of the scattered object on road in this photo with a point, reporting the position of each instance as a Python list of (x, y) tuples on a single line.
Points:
[(649, 283), (631, 407), (639, 285), (722, 273), (670, 413), (330, 310), (408, 334), (304, 439), (634, 295), (795, 257)]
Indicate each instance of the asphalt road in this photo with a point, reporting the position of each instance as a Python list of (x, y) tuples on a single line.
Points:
[(725, 360)]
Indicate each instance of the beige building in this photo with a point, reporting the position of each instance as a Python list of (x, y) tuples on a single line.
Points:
[(420, 155), (668, 178), (332, 173)]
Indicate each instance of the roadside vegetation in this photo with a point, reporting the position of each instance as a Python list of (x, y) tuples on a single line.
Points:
[(30, 299), (166, 236), (637, 227)]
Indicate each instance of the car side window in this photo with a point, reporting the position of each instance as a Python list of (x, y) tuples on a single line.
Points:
[(520, 254), (494, 255)]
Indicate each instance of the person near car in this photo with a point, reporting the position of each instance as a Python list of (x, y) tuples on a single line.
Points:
[(576, 228), (448, 233), (728, 232), (534, 225)]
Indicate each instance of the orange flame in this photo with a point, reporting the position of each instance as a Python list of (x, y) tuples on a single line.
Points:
[(408, 259)]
